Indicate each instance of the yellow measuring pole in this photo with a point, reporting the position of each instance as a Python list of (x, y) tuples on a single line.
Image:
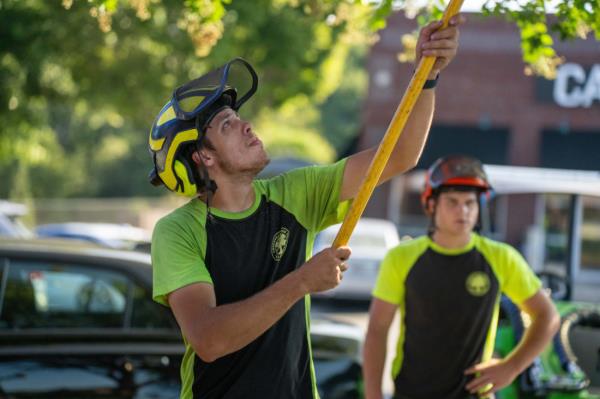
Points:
[(390, 138)]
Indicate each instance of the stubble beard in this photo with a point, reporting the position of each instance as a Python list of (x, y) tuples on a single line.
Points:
[(247, 170)]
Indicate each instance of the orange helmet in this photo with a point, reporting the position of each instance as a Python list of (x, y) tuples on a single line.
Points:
[(454, 170)]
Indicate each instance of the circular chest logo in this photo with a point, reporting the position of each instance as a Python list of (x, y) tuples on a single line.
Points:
[(279, 243), (478, 283)]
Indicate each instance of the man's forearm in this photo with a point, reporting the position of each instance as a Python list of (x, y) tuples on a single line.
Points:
[(374, 354), (410, 145), (418, 125), (404, 156), (215, 330), (227, 328), (536, 337)]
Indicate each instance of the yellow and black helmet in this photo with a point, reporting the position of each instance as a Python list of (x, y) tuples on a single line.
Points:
[(180, 125)]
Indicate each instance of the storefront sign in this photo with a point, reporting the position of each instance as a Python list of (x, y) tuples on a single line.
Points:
[(574, 87)]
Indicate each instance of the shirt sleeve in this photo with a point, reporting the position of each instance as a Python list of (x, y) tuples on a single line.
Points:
[(389, 286), (312, 194), (520, 282), (177, 259)]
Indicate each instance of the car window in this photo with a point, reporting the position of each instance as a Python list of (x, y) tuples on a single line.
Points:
[(147, 313), (368, 240), (365, 264), (44, 294), (356, 240)]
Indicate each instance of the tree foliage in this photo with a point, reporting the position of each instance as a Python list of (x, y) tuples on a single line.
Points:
[(572, 19), (569, 19), (538, 21), (81, 81)]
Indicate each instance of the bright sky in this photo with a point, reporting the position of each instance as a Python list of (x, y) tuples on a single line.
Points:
[(475, 5), (472, 5), (468, 5)]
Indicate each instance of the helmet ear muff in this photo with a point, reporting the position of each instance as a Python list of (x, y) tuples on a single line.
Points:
[(192, 175), (186, 179)]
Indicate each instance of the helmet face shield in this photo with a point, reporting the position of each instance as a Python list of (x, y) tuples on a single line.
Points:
[(196, 96)]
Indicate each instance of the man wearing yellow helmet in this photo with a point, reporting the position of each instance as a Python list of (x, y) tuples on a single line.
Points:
[(232, 263), (447, 286)]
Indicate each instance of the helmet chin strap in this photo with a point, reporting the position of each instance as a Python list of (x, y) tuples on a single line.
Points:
[(432, 227), (478, 225), (210, 185)]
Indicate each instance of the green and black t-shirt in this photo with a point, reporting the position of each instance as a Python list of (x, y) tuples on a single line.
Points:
[(449, 306), (241, 254)]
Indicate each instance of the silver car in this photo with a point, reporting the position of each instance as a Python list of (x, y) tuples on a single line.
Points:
[(370, 241)]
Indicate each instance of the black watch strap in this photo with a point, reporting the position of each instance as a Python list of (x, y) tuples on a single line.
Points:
[(431, 83)]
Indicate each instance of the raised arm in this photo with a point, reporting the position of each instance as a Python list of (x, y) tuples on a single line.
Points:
[(215, 331), (444, 45)]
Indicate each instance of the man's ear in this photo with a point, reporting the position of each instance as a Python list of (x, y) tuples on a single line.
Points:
[(430, 206), (203, 157)]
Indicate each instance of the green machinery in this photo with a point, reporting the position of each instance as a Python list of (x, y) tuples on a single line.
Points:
[(569, 368)]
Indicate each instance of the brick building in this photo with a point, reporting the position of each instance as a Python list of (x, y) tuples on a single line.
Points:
[(487, 107)]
